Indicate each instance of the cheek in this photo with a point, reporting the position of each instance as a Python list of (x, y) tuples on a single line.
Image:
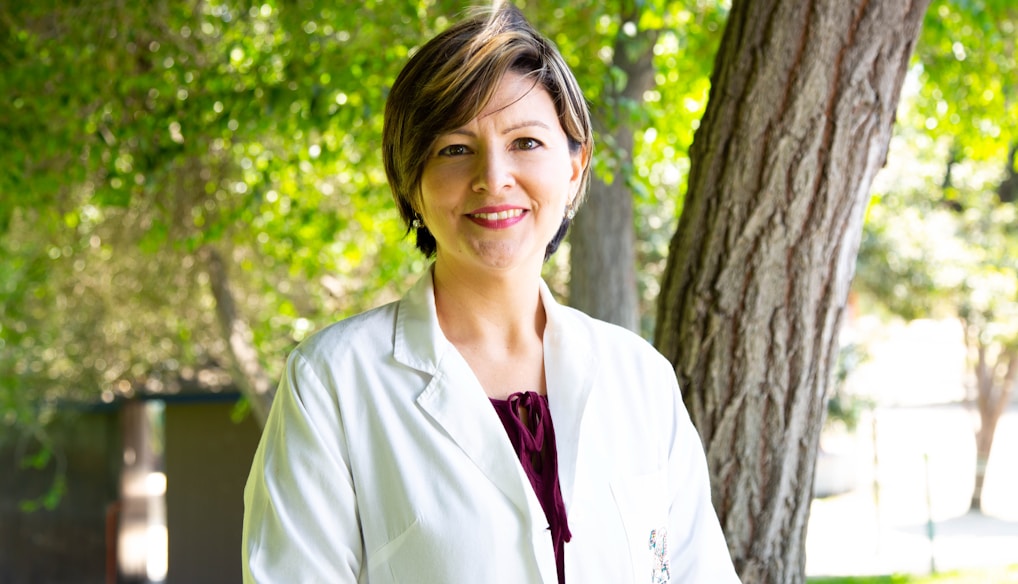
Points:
[(430, 194), (554, 184), (438, 185)]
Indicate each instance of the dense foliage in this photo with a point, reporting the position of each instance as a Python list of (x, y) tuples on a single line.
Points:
[(138, 136)]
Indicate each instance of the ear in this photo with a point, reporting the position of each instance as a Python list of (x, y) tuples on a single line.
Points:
[(579, 161)]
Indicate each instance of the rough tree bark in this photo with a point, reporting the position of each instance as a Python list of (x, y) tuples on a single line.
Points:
[(800, 114), (248, 372), (602, 280)]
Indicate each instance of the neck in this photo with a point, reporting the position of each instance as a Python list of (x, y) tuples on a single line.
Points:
[(503, 309)]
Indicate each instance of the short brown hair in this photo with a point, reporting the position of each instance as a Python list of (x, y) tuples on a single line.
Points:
[(450, 80)]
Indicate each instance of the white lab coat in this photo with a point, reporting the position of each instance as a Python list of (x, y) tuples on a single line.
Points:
[(383, 461)]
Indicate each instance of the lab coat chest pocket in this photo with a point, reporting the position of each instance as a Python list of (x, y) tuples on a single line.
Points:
[(643, 506)]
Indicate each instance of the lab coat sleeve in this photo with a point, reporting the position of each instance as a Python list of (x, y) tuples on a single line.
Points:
[(300, 512), (695, 543)]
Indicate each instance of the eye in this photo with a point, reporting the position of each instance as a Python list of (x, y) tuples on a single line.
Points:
[(527, 144), (454, 150)]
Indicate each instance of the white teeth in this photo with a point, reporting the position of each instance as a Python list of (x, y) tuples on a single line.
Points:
[(501, 215)]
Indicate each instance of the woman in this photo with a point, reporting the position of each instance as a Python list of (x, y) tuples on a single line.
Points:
[(477, 431)]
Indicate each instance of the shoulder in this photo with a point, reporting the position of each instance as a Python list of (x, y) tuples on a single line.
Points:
[(609, 339), (368, 330)]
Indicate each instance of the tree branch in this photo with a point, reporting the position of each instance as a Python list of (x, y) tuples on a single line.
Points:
[(249, 374)]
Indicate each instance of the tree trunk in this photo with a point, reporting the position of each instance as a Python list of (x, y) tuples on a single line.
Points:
[(248, 372), (602, 280), (993, 384), (802, 105)]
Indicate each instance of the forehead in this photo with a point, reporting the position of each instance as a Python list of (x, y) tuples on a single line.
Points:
[(518, 95)]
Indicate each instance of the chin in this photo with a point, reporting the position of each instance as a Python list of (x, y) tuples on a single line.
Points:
[(499, 254)]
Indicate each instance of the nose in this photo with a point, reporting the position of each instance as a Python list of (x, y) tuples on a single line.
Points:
[(493, 171)]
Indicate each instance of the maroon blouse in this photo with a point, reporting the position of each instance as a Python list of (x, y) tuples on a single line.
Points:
[(527, 420)]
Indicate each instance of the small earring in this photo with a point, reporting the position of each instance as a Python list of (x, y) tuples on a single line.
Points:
[(417, 223), (570, 212)]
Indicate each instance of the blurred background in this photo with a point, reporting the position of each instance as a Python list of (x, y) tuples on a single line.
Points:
[(188, 189)]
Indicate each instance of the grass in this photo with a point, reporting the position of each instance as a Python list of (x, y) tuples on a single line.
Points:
[(997, 576)]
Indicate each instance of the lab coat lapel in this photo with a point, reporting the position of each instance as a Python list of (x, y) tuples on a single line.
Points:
[(455, 400), (570, 370)]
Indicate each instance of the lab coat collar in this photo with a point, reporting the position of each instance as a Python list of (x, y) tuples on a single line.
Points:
[(420, 343)]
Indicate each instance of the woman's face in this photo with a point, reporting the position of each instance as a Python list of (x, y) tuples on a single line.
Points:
[(494, 191)]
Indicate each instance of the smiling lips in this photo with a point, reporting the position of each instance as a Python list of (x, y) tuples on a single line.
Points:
[(500, 219)]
